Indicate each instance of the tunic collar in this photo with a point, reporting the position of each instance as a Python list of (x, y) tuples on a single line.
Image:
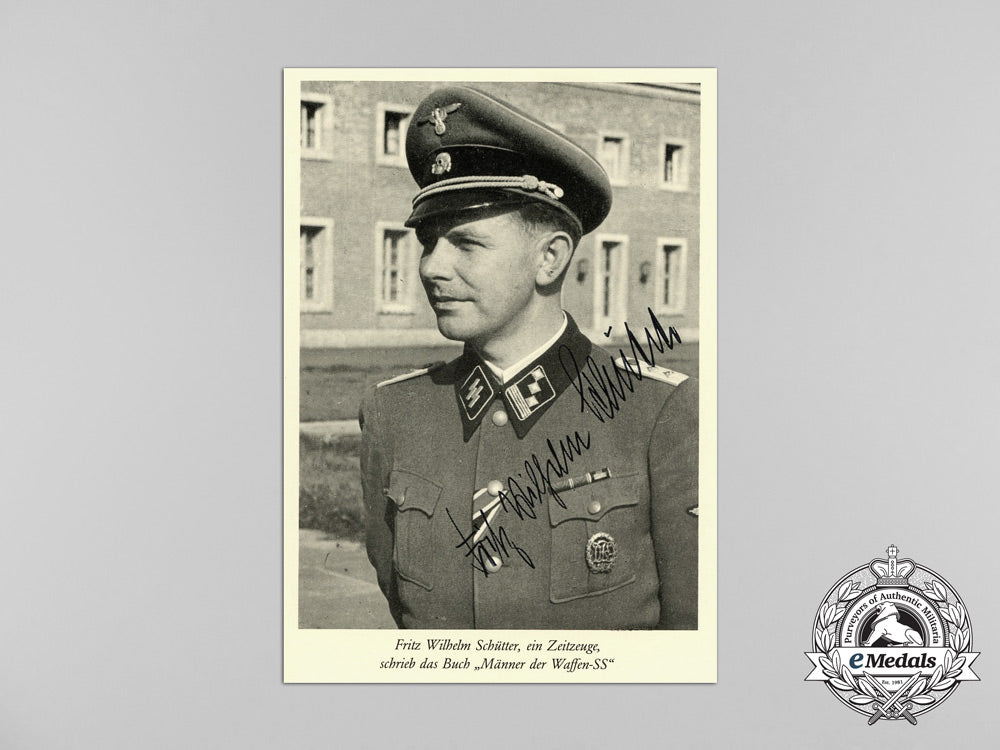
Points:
[(528, 394), (506, 374)]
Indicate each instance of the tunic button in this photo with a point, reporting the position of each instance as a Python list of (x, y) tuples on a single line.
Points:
[(594, 507), (494, 488), (500, 418), (492, 564)]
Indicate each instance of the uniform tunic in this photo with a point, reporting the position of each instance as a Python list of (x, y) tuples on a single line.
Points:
[(619, 551)]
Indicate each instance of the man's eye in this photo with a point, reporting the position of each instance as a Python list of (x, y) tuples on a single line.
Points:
[(468, 244)]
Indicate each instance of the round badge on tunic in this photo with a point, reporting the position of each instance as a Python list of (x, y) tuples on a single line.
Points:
[(601, 552)]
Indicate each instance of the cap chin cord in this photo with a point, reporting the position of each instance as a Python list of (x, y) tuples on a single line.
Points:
[(525, 182)]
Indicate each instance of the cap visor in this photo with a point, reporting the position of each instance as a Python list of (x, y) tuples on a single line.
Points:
[(464, 200)]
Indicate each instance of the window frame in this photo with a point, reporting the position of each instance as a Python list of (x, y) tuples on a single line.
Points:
[(381, 109), (621, 288), (406, 305), (322, 302), (680, 183), (624, 168), (678, 304), (324, 128)]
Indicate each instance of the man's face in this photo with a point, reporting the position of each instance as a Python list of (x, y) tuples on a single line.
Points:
[(478, 270)]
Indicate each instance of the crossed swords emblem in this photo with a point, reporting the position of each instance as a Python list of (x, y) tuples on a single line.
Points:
[(893, 705)]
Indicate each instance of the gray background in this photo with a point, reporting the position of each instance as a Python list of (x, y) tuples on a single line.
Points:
[(141, 411)]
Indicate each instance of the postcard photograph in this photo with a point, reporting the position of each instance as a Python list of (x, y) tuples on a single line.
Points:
[(500, 375)]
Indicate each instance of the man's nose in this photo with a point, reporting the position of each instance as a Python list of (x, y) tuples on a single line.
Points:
[(437, 260)]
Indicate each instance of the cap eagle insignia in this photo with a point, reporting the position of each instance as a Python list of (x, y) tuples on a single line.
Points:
[(437, 117)]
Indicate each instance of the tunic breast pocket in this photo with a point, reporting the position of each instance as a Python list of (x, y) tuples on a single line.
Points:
[(595, 537), (416, 499)]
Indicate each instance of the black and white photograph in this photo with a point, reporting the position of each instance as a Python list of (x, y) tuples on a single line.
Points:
[(500, 297)]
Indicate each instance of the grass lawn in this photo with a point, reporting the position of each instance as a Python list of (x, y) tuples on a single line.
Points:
[(332, 381), (330, 486)]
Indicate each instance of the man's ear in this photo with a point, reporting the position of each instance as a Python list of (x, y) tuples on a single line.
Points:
[(557, 251)]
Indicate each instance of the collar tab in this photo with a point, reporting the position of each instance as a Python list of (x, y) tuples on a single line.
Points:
[(531, 391)]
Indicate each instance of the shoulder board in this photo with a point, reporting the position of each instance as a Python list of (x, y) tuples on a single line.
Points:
[(409, 375), (671, 377)]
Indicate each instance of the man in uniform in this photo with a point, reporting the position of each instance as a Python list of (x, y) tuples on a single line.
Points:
[(537, 481)]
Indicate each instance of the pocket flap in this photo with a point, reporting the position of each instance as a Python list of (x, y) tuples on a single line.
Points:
[(593, 501), (411, 491)]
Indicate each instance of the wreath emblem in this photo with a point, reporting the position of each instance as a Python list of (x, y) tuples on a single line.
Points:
[(892, 640)]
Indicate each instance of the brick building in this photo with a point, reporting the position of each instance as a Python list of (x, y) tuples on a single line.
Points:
[(358, 274)]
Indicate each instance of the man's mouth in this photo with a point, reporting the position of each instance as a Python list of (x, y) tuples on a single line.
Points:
[(445, 301)]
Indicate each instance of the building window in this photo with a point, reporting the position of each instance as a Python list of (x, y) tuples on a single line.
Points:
[(312, 119), (613, 154), (392, 122), (671, 275), (315, 126), (610, 280), (396, 268), (674, 164), (315, 264)]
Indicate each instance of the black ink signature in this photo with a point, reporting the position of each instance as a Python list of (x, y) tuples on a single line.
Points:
[(495, 544), (602, 392), (539, 478), (521, 500)]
